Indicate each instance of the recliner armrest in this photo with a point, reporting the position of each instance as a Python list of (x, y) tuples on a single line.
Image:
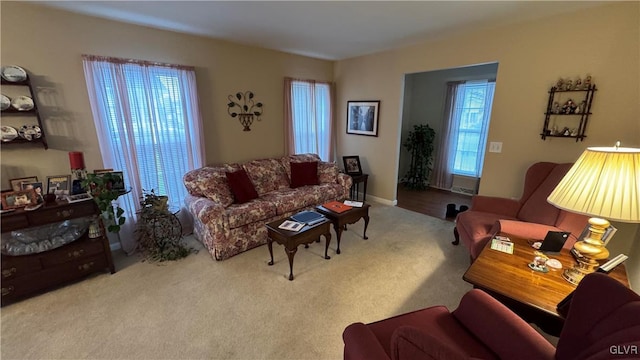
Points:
[(495, 205), (500, 329), (361, 343), (523, 229)]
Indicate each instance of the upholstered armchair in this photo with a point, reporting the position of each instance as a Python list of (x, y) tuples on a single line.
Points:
[(603, 317), (529, 217)]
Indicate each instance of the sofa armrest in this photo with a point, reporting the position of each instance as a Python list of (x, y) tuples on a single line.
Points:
[(524, 229), (408, 342), (500, 329), (361, 343), (495, 205), (201, 207), (345, 180)]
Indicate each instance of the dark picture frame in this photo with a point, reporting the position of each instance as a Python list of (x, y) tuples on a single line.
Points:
[(37, 187), (60, 184), (362, 117), (18, 199), (16, 184), (352, 165), (118, 180)]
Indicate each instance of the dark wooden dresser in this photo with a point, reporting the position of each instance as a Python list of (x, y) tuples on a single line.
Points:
[(27, 275)]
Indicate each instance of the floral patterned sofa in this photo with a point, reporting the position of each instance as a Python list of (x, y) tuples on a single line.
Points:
[(227, 228)]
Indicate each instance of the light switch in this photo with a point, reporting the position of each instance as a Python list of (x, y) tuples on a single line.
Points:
[(495, 147)]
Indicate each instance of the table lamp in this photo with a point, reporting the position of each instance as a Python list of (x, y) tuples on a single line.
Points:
[(605, 183), (78, 171)]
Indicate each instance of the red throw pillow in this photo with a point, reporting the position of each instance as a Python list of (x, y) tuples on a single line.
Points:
[(241, 186), (304, 173)]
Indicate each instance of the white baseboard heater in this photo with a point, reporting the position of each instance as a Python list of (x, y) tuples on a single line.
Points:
[(465, 185)]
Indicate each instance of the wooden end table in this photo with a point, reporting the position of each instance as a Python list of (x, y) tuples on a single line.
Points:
[(351, 216), (291, 239), (355, 187), (533, 295)]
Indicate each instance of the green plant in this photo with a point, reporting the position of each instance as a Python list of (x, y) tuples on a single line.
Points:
[(419, 143), (158, 231), (100, 187)]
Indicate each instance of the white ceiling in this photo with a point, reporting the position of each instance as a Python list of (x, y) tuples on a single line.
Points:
[(331, 30)]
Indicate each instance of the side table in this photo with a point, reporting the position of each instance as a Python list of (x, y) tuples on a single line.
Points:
[(351, 216), (292, 239), (355, 187)]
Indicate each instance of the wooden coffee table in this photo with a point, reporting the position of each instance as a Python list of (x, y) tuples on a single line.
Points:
[(351, 216), (533, 295), (292, 239)]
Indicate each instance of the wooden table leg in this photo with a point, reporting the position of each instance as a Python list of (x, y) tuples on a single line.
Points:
[(327, 237), (338, 229), (290, 254), (270, 245), (366, 224)]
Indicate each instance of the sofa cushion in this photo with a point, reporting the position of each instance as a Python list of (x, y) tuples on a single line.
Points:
[(439, 324), (255, 210), (267, 175), (288, 200), (327, 172), (304, 173), (211, 182), (297, 158), (241, 186)]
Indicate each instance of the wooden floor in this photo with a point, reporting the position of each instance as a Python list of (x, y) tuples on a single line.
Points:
[(432, 202)]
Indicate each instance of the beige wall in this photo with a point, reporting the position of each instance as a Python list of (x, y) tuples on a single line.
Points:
[(603, 41), (49, 43)]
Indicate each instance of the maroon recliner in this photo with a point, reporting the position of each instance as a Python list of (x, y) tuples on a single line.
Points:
[(603, 322), (531, 217)]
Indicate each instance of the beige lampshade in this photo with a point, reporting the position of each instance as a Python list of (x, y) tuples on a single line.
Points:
[(603, 182)]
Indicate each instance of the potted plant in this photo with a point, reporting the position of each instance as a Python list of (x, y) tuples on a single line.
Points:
[(158, 231), (100, 187), (420, 144)]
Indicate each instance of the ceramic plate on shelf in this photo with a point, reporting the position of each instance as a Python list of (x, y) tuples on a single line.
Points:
[(22, 103), (8, 133), (30, 132), (5, 102), (14, 73)]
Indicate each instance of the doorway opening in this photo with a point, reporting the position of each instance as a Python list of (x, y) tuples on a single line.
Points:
[(456, 104)]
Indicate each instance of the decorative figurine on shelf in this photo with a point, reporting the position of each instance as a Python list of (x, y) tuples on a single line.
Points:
[(578, 84), (556, 108), (582, 108), (568, 85), (574, 132), (554, 130), (560, 84), (569, 107), (586, 85), (566, 131)]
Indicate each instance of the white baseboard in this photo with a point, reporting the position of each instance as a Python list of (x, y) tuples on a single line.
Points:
[(379, 200)]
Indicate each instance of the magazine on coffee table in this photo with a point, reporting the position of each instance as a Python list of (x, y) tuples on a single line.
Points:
[(291, 225), (353, 203)]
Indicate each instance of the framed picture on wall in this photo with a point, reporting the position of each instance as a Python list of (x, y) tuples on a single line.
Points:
[(362, 117)]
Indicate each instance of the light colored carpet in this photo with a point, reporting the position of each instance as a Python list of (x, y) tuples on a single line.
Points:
[(240, 308)]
